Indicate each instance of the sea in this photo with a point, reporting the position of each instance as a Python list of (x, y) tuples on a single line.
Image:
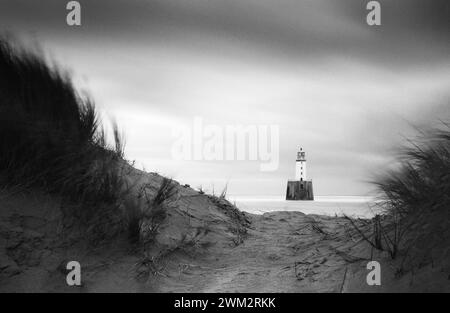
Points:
[(354, 206)]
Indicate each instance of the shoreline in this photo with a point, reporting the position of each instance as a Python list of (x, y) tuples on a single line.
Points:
[(327, 208)]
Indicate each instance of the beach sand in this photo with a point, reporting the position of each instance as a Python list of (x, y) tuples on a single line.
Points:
[(204, 245)]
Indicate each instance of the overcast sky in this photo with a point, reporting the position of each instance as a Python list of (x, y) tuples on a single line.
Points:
[(344, 91)]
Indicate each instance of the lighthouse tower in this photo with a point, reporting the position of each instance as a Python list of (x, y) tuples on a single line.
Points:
[(300, 166), (300, 188)]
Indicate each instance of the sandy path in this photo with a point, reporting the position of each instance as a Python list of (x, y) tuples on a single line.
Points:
[(283, 252)]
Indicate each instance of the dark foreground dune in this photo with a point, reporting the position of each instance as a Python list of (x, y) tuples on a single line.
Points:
[(203, 245)]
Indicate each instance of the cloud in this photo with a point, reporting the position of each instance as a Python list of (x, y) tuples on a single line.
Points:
[(343, 90), (291, 28)]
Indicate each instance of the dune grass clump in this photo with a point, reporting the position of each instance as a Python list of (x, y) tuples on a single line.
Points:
[(144, 223), (415, 199), (239, 219), (422, 183), (50, 136)]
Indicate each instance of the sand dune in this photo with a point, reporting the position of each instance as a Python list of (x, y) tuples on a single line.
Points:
[(203, 245)]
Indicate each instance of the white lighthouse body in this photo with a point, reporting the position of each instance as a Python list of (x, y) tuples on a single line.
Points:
[(300, 188), (300, 166)]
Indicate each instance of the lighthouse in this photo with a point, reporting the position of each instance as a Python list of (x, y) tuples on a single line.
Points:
[(300, 166), (300, 188)]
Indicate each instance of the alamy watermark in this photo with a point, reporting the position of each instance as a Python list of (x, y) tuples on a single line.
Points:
[(73, 277), (211, 142), (373, 278), (73, 17), (373, 18)]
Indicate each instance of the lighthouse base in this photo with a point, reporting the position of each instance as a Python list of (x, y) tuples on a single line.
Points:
[(299, 190)]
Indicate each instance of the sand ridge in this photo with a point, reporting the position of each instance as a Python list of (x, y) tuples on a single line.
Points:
[(204, 245)]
